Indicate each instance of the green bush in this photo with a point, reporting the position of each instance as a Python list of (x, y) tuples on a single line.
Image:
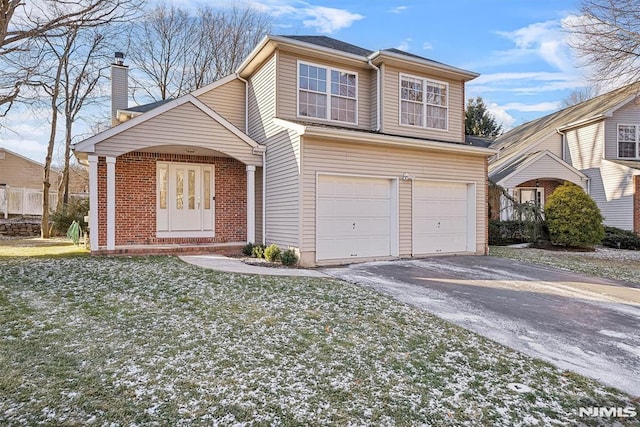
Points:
[(75, 210), (272, 253), (258, 251), (289, 257), (247, 249), (620, 239), (573, 218), (508, 232)]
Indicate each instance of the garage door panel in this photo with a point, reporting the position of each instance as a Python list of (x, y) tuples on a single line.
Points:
[(440, 217), (353, 217)]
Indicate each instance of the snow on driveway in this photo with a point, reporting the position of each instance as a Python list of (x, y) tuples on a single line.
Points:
[(578, 323)]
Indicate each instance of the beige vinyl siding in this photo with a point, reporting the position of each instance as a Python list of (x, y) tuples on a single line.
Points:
[(553, 143), (612, 189), (18, 172), (585, 146), (283, 159), (262, 102), (228, 101), (288, 89), (282, 191), (391, 107), (628, 115), (544, 167), (344, 158), (184, 125)]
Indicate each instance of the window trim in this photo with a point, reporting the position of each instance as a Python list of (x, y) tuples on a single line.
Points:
[(425, 81), (637, 141), (327, 93)]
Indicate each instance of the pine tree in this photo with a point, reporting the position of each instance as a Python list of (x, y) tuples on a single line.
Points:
[(479, 121)]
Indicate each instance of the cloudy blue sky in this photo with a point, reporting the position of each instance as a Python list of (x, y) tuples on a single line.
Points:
[(517, 46)]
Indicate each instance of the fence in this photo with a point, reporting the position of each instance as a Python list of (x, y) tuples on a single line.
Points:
[(24, 201)]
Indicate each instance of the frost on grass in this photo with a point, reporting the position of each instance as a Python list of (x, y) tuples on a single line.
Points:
[(153, 341), (603, 262)]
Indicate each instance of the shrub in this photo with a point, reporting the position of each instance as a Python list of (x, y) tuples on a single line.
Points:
[(620, 239), (247, 249), (573, 218), (272, 253), (75, 210), (289, 257), (258, 251), (507, 232)]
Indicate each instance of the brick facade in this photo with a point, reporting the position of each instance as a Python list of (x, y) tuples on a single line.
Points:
[(136, 199), (549, 187)]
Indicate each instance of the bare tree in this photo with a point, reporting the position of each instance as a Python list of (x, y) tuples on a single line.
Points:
[(83, 69), (178, 52), (576, 96), (162, 43), (606, 38), (23, 22)]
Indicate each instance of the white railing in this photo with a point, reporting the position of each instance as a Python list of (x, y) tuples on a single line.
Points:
[(24, 201)]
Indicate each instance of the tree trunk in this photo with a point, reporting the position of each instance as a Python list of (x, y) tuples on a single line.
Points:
[(63, 186)]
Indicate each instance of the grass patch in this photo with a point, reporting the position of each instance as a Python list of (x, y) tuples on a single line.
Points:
[(152, 340), (606, 263), (37, 247)]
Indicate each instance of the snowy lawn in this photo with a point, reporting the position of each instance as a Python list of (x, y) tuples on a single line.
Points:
[(155, 341), (603, 262)]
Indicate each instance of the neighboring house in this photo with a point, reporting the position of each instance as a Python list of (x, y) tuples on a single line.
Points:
[(338, 152), (594, 144), (21, 172)]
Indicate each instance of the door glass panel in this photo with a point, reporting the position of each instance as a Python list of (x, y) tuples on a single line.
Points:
[(179, 188), (162, 184), (192, 189), (207, 189)]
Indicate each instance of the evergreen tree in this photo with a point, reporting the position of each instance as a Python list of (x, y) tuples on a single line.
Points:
[(479, 121)]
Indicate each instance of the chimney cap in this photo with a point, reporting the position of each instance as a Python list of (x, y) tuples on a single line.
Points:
[(119, 58)]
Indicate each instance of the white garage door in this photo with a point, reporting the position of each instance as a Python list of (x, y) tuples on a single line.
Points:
[(440, 222), (353, 217)]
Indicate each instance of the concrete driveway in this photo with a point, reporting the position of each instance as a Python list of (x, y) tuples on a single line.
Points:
[(576, 322)]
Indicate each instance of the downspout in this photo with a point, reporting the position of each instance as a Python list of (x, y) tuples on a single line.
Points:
[(264, 157), (264, 197), (378, 97)]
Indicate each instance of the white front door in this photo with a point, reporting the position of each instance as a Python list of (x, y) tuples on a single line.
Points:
[(186, 200)]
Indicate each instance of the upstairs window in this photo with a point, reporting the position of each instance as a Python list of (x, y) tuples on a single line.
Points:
[(335, 101), (628, 141), (423, 102)]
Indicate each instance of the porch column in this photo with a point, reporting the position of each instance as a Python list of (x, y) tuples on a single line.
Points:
[(111, 203), (93, 202), (251, 204)]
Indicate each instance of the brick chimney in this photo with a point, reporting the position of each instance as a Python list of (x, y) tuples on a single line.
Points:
[(119, 87)]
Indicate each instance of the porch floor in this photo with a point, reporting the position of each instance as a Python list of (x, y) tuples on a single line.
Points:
[(229, 249)]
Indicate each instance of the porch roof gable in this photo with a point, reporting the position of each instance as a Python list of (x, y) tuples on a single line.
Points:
[(249, 150)]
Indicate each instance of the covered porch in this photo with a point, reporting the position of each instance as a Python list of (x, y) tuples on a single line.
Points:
[(532, 179), (179, 178)]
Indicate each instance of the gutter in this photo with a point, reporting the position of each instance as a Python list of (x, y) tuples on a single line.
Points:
[(378, 138)]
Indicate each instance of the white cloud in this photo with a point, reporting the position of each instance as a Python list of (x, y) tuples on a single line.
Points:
[(544, 40), (540, 107), (323, 19), (503, 118), (427, 46), (328, 20), (398, 9), (405, 44)]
